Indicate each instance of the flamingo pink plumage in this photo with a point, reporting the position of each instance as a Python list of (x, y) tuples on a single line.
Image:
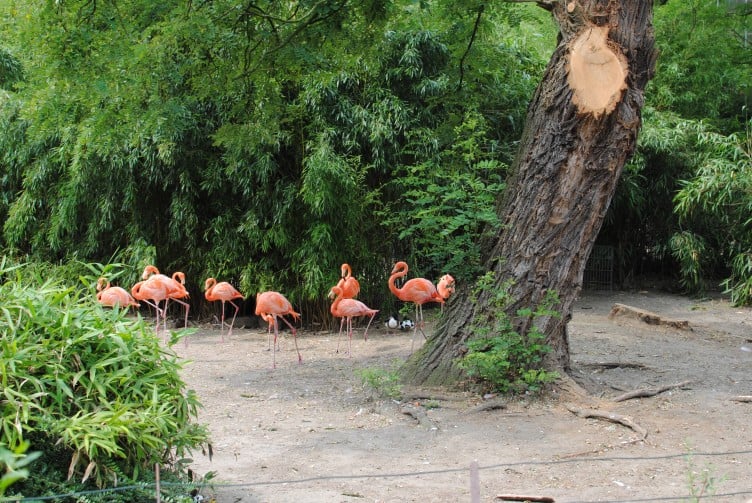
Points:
[(224, 292), (275, 304), (175, 286), (349, 285), (349, 309), (417, 290), (112, 296), (150, 292)]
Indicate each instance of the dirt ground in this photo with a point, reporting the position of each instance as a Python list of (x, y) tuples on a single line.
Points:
[(315, 433)]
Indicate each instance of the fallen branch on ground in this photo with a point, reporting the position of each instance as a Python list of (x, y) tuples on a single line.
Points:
[(647, 316), (489, 405), (517, 497), (610, 416), (411, 396), (649, 391), (742, 398)]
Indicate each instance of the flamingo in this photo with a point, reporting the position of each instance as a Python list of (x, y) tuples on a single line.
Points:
[(275, 304), (349, 285), (349, 309), (417, 290), (225, 292), (445, 287), (113, 296), (152, 293), (175, 287)]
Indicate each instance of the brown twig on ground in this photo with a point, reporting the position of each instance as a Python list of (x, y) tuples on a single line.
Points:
[(649, 391), (518, 497), (741, 398), (610, 416), (489, 405)]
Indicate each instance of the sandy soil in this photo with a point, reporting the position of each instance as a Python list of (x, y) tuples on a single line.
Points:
[(315, 433)]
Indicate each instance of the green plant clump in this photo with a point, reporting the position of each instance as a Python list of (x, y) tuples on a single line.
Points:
[(501, 358), (89, 387), (383, 383)]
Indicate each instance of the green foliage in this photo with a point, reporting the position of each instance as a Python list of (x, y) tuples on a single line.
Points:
[(703, 72), (88, 386), (384, 383), (14, 465), (716, 204), (498, 355), (220, 140)]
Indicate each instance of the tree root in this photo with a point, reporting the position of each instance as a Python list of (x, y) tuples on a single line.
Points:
[(488, 405), (610, 416), (649, 391), (419, 415)]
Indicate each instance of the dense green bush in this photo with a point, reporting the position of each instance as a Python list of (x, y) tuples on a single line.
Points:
[(91, 388), (501, 358)]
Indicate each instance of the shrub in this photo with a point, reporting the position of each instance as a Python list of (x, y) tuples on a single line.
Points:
[(501, 358), (90, 387)]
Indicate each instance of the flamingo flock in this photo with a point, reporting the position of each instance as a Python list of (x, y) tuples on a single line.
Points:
[(155, 288)]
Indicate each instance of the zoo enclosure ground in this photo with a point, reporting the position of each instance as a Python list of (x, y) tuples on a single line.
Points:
[(313, 432)]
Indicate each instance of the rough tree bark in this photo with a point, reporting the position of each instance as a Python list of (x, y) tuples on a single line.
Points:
[(581, 128)]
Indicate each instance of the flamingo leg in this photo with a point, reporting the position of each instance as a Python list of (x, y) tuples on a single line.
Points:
[(229, 332), (185, 324), (339, 336), (274, 349), (349, 336), (365, 334), (222, 323), (294, 338)]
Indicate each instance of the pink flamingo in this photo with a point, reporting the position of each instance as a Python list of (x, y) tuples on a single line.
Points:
[(175, 287), (417, 290), (152, 293), (275, 304), (225, 292), (112, 296), (445, 287), (349, 309), (349, 285)]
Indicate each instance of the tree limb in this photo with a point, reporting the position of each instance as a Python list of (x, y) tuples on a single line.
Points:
[(610, 416), (649, 391), (470, 44)]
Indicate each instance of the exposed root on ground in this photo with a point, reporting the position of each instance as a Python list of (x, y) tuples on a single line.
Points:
[(610, 416), (645, 392)]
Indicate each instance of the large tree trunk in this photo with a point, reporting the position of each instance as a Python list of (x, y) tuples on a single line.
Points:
[(581, 128)]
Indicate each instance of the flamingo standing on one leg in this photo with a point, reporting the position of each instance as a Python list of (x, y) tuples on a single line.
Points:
[(112, 296), (349, 309), (418, 291), (225, 292), (275, 304)]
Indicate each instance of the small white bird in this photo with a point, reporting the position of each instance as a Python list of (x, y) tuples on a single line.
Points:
[(391, 324)]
